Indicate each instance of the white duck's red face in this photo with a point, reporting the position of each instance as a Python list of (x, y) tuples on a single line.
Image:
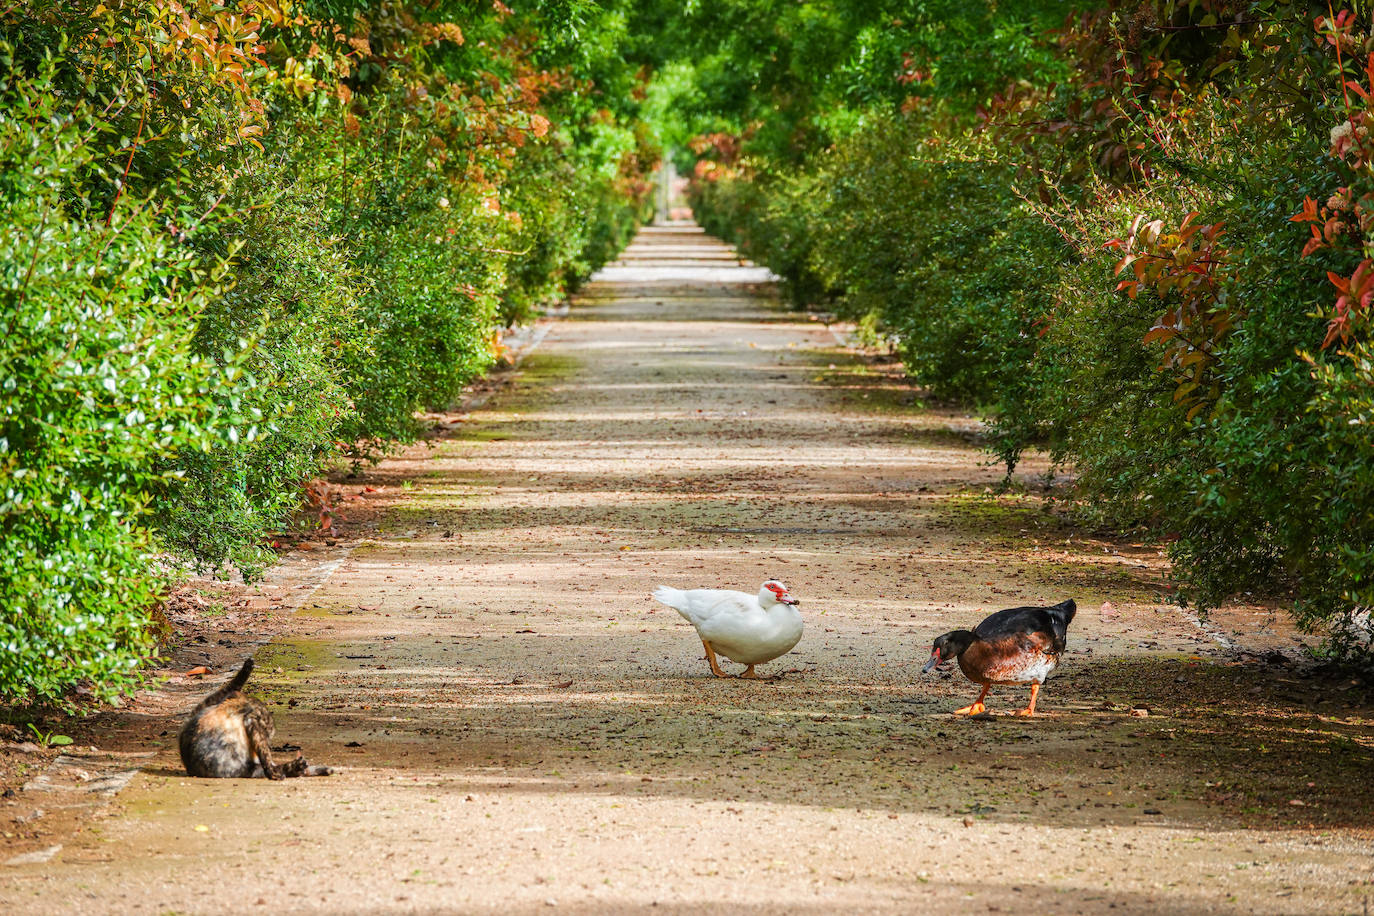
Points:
[(778, 591)]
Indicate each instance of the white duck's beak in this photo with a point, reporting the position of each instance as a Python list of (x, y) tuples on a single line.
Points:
[(787, 599)]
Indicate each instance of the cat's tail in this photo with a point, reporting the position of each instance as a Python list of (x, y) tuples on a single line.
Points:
[(241, 678), (233, 686)]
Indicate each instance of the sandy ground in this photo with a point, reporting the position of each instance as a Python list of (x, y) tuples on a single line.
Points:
[(521, 729)]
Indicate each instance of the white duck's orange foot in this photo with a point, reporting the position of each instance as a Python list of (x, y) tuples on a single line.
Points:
[(711, 657), (749, 675)]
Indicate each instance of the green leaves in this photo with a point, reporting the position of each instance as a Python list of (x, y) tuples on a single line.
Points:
[(1170, 366), (99, 355), (240, 243)]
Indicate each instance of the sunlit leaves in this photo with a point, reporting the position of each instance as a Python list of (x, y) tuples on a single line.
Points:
[(1185, 269), (245, 239)]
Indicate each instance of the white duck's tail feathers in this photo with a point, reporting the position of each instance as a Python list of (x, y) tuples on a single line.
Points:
[(674, 598)]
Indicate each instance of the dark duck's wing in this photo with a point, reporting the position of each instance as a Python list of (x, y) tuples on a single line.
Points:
[(1020, 645), (1035, 622)]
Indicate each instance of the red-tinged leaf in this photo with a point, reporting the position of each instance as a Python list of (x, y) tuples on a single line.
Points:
[(1192, 358), (1334, 331), (1123, 264), (1158, 333), (1362, 275), (1124, 284), (1114, 243), (1196, 409), (1357, 89), (1340, 325), (1341, 283)]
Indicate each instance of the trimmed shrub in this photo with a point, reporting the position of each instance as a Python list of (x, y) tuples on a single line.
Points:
[(1108, 263), (241, 242), (101, 376)]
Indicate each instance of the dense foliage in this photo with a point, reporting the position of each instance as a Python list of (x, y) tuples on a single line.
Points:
[(1138, 234), (241, 239)]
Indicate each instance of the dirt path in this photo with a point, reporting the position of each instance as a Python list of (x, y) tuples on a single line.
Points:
[(522, 729)]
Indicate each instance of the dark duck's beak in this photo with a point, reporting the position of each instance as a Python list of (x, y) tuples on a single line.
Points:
[(934, 661)]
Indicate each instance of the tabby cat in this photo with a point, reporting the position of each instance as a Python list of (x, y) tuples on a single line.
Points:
[(228, 736)]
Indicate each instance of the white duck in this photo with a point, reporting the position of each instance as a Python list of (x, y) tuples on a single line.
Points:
[(745, 628)]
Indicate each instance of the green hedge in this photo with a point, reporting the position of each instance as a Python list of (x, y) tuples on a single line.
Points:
[(240, 250), (1209, 386), (101, 377)]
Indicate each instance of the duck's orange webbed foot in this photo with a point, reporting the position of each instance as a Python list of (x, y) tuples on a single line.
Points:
[(977, 708), (748, 674), (711, 657), (1030, 710)]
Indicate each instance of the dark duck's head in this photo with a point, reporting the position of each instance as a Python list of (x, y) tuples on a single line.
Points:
[(950, 645)]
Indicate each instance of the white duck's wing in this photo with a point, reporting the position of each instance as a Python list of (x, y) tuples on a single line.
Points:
[(727, 615), (757, 636), (702, 605)]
